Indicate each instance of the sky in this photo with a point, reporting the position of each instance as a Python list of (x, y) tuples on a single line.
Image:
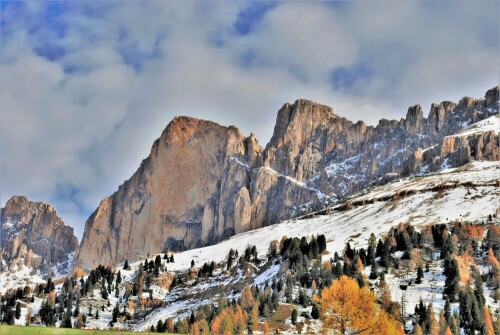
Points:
[(87, 86)]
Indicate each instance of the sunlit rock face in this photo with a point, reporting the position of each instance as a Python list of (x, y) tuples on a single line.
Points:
[(204, 182), (33, 235)]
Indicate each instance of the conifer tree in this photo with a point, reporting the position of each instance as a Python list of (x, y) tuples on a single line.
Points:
[(420, 275), (294, 316), (451, 285), (374, 271), (18, 311)]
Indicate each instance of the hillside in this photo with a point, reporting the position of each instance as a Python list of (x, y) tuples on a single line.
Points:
[(468, 194)]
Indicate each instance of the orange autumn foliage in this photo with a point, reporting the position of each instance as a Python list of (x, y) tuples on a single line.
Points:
[(345, 306), (492, 259), (418, 330), (488, 321)]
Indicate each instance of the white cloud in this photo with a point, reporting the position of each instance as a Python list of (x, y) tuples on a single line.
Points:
[(75, 126)]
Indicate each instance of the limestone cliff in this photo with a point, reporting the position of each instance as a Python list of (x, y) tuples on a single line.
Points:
[(195, 188), (203, 182), (33, 235)]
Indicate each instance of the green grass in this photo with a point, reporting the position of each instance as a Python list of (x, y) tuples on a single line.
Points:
[(23, 330)]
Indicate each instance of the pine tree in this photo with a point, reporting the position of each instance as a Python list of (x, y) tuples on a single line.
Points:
[(315, 311), (160, 327), (77, 308), (471, 316), (303, 299), (191, 318), (420, 275), (321, 243), (294, 316), (451, 284), (172, 258), (374, 270), (478, 290), (18, 311), (126, 266), (447, 311), (192, 263)]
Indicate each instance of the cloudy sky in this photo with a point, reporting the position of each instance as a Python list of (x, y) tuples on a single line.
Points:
[(87, 86)]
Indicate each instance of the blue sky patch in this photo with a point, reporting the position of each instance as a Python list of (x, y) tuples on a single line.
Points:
[(346, 77), (252, 14)]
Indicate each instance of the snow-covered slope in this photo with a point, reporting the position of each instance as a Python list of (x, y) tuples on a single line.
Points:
[(472, 195), (490, 124)]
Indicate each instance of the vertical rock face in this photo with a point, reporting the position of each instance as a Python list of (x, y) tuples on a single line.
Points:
[(33, 234), (192, 190), (203, 182)]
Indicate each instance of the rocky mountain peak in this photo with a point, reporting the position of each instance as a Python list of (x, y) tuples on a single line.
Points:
[(414, 119), (204, 182), (300, 118), (492, 97), (33, 235)]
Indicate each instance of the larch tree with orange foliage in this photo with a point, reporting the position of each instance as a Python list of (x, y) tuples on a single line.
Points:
[(347, 308), (488, 322), (417, 330)]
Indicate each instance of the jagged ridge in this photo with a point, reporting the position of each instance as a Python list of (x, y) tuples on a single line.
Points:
[(204, 182), (33, 235)]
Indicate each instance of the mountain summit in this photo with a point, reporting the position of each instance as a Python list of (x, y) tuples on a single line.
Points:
[(204, 182), (32, 235)]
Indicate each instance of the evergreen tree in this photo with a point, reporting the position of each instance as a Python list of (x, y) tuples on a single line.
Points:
[(303, 299), (451, 284), (420, 275), (315, 312), (18, 311), (471, 315), (191, 318), (116, 313), (159, 326), (321, 243), (374, 270), (157, 261), (192, 263), (172, 258), (126, 266), (478, 290), (77, 308), (447, 311), (295, 314)]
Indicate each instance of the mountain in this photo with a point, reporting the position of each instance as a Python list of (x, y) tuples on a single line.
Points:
[(462, 201), (33, 236), (204, 182)]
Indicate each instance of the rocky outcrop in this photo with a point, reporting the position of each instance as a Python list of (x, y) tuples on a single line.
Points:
[(195, 188), (204, 182), (32, 234)]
